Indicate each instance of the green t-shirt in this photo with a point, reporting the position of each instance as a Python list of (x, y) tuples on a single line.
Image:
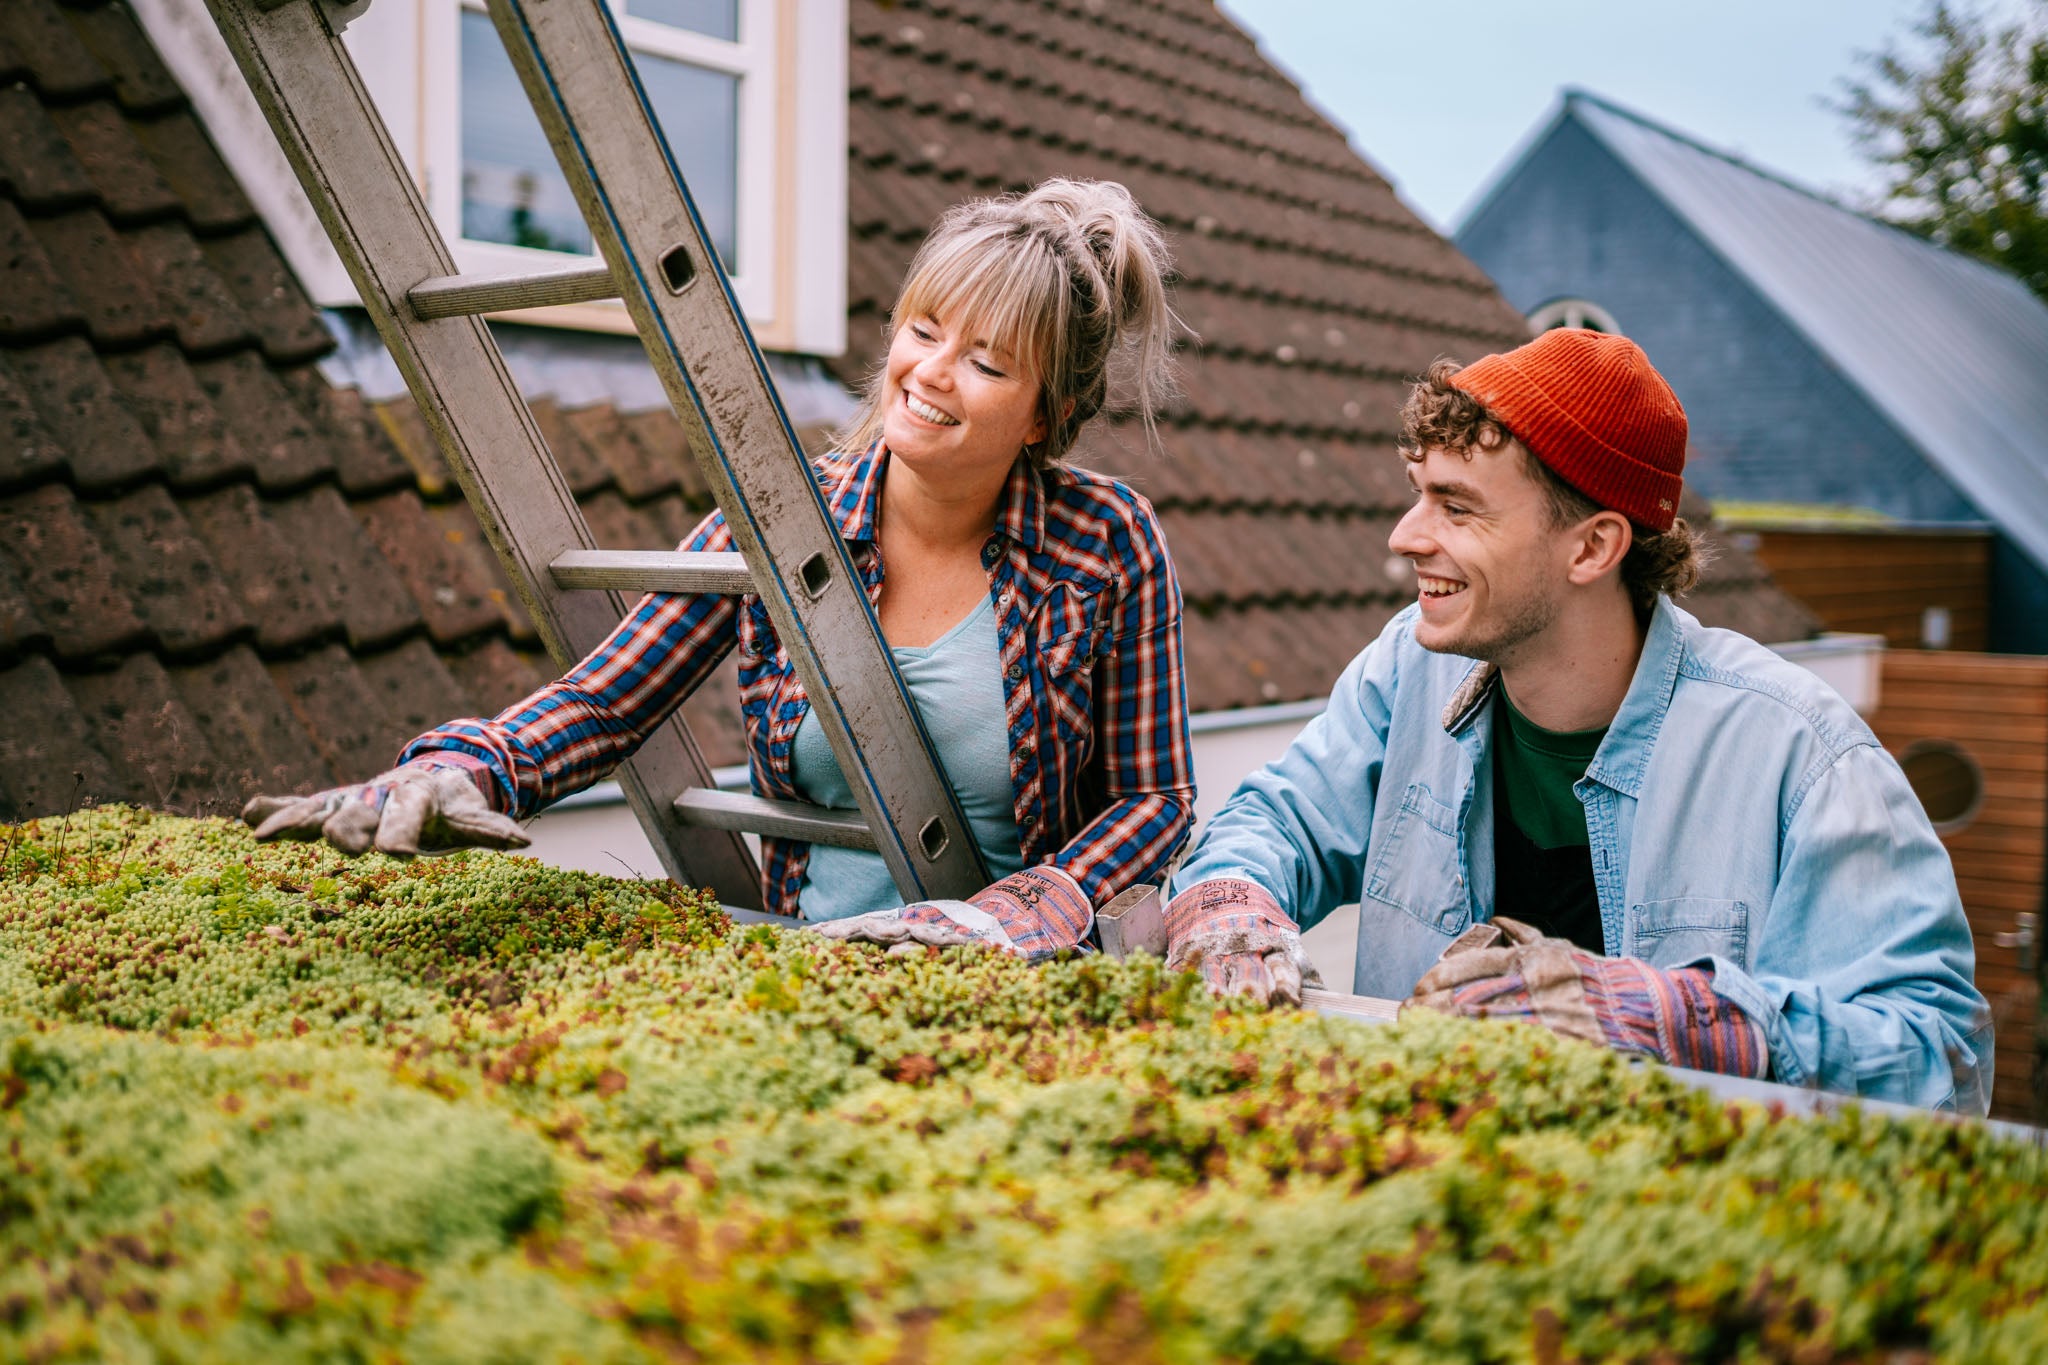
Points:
[(1537, 769)]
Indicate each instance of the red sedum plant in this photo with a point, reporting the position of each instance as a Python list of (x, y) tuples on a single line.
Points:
[(260, 1102)]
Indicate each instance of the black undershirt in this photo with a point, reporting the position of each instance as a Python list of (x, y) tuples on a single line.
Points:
[(1549, 889)]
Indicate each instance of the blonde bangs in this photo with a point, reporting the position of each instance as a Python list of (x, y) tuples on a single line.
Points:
[(1009, 287)]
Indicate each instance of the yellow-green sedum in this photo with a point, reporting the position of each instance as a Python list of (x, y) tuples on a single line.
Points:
[(258, 1102)]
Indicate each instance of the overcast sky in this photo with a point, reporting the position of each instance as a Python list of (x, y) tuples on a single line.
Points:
[(1437, 96)]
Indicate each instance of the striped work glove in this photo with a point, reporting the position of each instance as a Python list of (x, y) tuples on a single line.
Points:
[(1034, 914), (430, 805), (1507, 970), (1239, 938)]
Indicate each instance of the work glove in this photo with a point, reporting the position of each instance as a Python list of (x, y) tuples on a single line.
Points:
[(1034, 914), (1240, 939), (1507, 970), (430, 805)]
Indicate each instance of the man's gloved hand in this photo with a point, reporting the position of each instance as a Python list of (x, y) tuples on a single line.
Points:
[(1507, 970), (1240, 938), (427, 805), (1034, 913)]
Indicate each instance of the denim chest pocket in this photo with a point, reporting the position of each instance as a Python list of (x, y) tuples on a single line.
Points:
[(1416, 868), (1673, 933)]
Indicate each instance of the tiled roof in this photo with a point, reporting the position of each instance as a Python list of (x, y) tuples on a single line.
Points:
[(1316, 293), (219, 572)]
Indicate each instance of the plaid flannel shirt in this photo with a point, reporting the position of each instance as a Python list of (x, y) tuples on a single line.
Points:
[(1088, 612)]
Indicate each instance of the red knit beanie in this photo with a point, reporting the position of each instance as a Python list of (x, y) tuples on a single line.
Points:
[(1591, 407)]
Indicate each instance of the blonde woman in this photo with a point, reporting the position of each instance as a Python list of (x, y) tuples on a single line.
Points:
[(1031, 607)]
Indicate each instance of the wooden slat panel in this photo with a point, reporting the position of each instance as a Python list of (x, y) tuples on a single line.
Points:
[(1996, 708), (1884, 580)]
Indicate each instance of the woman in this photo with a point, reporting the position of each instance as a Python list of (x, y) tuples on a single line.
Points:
[(1031, 607)]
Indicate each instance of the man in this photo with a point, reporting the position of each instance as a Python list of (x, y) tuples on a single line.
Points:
[(1694, 849)]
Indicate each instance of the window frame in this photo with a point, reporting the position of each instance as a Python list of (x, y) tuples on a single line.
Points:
[(753, 58)]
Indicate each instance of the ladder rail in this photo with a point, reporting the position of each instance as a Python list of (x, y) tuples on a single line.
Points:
[(312, 97), (580, 79)]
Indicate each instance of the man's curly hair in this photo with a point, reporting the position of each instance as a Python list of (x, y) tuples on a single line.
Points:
[(1441, 416)]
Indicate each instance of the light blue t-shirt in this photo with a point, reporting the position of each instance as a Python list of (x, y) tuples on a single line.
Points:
[(957, 684)]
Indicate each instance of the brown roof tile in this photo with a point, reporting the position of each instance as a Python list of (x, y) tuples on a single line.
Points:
[(463, 536), (618, 525), (638, 472), (581, 468), (205, 317), (167, 573), (21, 630), (113, 290), (48, 761), (47, 51), (258, 744), (493, 675), (408, 431), (412, 688), (452, 596), (289, 450), (194, 447), (271, 300), (264, 569), (35, 304), (338, 709), (118, 169), (152, 740), (659, 437), (36, 165), (141, 82), (375, 608), (72, 582), (178, 147), (28, 453), (104, 446), (366, 460)]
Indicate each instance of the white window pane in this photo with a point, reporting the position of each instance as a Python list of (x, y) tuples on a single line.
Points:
[(714, 18), (512, 191), (700, 116)]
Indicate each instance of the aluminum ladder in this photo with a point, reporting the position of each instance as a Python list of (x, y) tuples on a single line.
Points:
[(656, 257)]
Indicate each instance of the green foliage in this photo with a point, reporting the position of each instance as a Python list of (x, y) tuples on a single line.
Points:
[(1959, 125), (259, 1101)]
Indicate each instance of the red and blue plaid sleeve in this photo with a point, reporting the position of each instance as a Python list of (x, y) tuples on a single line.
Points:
[(572, 732), (1141, 726)]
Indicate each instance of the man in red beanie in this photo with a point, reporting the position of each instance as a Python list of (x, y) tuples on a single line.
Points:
[(1558, 798)]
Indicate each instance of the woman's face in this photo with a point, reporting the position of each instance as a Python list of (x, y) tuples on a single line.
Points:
[(955, 408)]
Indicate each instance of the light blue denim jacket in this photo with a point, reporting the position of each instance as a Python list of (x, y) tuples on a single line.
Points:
[(1741, 815)]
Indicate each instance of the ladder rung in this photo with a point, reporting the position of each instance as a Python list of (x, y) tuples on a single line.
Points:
[(654, 571), (454, 296), (784, 819)]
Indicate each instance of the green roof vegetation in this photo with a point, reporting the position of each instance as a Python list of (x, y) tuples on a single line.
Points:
[(258, 1102)]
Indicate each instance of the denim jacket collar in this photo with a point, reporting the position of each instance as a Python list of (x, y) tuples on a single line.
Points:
[(1632, 733)]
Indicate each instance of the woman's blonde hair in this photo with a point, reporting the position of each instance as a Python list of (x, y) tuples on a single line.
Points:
[(1070, 280)]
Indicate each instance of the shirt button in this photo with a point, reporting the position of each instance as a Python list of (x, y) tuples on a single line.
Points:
[(990, 553), (1015, 673)]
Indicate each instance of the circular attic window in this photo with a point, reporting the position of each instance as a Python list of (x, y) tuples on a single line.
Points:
[(1574, 313), (1947, 780)]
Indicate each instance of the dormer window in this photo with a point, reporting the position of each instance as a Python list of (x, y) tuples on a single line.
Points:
[(1574, 313)]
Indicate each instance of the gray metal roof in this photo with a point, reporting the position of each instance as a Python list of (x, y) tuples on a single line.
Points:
[(1953, 351)]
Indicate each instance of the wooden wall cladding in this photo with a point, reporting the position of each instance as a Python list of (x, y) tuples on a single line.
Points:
[(1880, 582), (1995, 709)]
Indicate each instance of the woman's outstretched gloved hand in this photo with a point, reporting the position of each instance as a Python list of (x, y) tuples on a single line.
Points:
[(1034, 913), (1507, 970), (425, 806), (1239, 938)]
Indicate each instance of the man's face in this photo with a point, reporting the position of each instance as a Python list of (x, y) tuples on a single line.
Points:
[(1491, 569)]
